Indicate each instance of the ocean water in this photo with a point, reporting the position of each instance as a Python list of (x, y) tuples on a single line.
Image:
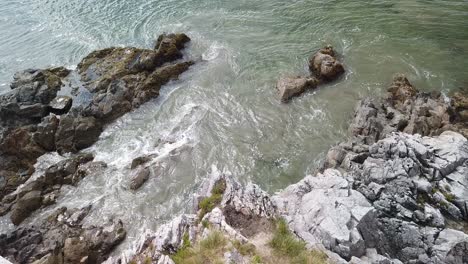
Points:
[(223, 115)]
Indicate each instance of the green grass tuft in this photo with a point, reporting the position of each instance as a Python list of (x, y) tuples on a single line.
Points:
[(209, 203), (186, 240), (208, 251), (257, 259), (285, 244), (246, 249)]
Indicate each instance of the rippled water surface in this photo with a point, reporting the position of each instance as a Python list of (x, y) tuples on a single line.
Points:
[(224, 113)]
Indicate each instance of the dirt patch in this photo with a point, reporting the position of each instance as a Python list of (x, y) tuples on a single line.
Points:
[(247, 224)]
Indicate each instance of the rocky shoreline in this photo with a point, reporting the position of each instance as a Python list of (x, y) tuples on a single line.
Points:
[(394, 192), (36, 118), (384, 196)]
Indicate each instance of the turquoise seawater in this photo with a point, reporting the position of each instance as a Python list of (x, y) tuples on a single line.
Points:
[(224, 112)]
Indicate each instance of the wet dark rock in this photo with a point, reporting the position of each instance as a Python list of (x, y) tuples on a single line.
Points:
[(42, 191), (76, 133), (31, 201), (21, 111), (177, 39), (58, 173), (45, 133), (169, 47), (139, 177), (118, 79), (32, 91), (324, 64), (123, 78), (289, 87), (61, 239), (61, 104), (141, 160)]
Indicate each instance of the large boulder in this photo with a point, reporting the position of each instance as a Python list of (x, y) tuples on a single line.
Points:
[(324, 64)]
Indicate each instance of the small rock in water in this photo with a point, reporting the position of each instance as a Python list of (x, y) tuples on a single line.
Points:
[(141, 160), (324, 64), (140, 177), (289, 87), (61, 104)]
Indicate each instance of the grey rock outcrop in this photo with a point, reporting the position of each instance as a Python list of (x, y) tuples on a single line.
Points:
[(324, 209), (397, 199), (405, 109)]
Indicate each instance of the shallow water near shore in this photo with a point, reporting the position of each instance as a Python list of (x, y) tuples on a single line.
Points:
[(224, 113)]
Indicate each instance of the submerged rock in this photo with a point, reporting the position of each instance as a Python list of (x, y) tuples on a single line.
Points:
[(139, 177), (141, 160), (289, 87)]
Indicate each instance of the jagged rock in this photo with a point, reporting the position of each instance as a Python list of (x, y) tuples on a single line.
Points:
[(324, 64), (169, 46), (32, 91), (76, 250), (289, 87), (412, 184), (58, 173), (41, 191), (21, 111), (451, 246), (249, 199), (407, 110), (61, 104), (61, 239), (118, 80), (123, 78)]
